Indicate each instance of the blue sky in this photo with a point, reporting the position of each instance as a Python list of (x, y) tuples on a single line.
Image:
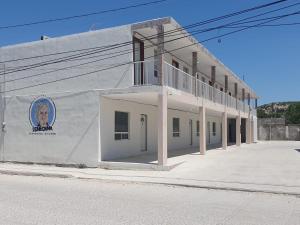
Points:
[(267, 57)]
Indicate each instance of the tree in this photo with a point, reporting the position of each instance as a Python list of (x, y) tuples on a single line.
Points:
[(292, 114), (261, 113)]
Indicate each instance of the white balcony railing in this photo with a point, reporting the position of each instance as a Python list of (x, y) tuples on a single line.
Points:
[(178, 79), (146, 73)]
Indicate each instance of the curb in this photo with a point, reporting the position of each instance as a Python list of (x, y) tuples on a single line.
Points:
[(57, 175), (35, 174)]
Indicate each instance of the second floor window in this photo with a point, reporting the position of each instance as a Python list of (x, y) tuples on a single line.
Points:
[(198, 127)]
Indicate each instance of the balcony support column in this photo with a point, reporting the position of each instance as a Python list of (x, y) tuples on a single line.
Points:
[(194, 71), (249, 99), (243, 98), (160, 53), (248, 129), (236, 94), (202, 131), (162, 125), (213, 76), (224, 130), (238, 130), (226, 90), (226, 83)]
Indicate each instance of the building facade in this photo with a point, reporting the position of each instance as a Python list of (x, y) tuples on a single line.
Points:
[(137, 89)]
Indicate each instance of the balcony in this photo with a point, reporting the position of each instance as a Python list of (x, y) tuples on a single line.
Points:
[(146, 73)]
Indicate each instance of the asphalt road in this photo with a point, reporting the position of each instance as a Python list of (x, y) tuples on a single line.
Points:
[(38, 200)]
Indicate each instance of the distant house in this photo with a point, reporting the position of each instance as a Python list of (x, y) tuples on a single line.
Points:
[(147, 87)]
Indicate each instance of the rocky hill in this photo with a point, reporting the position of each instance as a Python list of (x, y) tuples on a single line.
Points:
[(288, 110)]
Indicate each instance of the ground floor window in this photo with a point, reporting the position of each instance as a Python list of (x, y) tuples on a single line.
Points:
[(197, 127), (121, 125), (176, 127)]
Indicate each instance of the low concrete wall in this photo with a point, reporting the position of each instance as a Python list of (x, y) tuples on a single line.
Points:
[(276, 129)]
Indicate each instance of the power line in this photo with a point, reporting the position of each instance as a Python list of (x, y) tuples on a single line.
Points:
[(81, 15), (269, 25), (128, 63), (128, 51), (168, 32), (255, 16)]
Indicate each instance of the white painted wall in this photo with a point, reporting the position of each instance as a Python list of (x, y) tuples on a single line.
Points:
[(76, 131), (113, 149), (114, 78)]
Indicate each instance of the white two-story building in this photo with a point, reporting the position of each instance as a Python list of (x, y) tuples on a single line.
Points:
[(104, 95)]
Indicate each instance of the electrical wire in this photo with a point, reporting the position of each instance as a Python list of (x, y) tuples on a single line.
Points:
[(81, 15), (128, 51), (154, 36), (128, 63)]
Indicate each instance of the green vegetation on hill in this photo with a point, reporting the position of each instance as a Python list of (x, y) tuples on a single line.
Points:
[(288, 110)]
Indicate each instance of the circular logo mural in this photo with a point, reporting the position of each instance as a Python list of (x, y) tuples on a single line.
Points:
[(42, 114)]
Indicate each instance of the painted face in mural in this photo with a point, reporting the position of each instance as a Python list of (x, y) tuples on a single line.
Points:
[(42, 115)]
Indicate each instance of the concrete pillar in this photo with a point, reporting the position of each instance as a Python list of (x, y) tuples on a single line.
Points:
[(238, 130), (248, 130), (194, 71), (249, 99), (236, 94), (202, 131), (226, 83), (226, 89), (213, 75), (224, 130), (160, 52), (162, 131)]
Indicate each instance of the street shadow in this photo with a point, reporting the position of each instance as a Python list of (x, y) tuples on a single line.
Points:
[(298, 150)]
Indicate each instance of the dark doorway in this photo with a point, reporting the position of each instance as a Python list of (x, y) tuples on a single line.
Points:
[(243, 130), (231, 132), (138, 58), (175, 74)]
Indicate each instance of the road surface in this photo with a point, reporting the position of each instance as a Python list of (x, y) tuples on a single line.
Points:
[(39, 200)]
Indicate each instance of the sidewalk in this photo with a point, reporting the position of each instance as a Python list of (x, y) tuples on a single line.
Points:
[(269, 167)]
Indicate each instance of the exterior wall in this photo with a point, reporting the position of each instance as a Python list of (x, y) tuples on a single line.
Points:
[(114, 149), (73, 140), (276, 129), (117, 77)]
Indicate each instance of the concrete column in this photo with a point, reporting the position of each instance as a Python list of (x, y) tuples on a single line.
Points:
[(226, 83), (248, 130), (160, 52), (194, 70), (162, 131), (202, 131), (213, 75), (226, 89), (224, 130), (238, 130), (236, 94), (249, 99)]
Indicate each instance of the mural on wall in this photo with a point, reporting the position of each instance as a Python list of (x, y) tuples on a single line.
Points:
[(42, 114)]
